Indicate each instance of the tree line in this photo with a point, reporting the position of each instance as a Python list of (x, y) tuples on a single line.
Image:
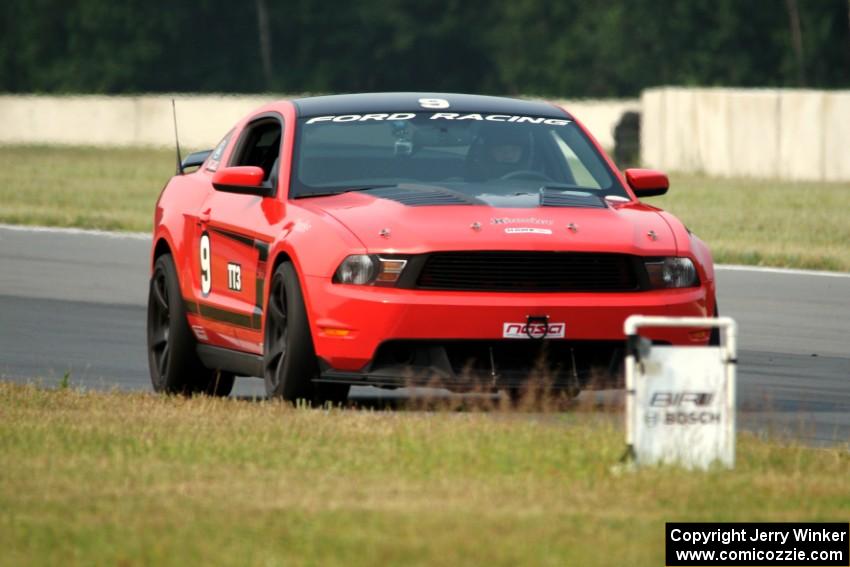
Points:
[(564, 48)]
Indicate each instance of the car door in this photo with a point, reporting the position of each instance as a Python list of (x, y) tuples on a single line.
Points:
[(234, 241)]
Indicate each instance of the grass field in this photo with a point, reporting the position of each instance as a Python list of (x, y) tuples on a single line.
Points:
[(132, 479), (801, 225), (769, 223), (111, 189)]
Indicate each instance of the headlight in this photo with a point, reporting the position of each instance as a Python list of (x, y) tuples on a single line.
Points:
[(358, 269), (365, 269), (671, 272)]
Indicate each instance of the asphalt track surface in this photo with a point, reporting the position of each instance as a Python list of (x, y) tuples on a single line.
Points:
[(73, 301)]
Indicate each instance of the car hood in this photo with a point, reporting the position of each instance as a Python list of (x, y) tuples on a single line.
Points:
[(387, 226)]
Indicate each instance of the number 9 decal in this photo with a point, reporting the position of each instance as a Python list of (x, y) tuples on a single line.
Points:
[(206, 276), (433, 103)]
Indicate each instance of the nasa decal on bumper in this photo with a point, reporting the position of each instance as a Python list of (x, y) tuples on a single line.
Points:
[(533, 330)]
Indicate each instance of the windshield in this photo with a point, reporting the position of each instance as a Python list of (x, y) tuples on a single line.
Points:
[(478, 155)]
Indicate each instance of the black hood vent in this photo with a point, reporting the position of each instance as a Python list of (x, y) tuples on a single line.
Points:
[(422, 196), (574, 199)]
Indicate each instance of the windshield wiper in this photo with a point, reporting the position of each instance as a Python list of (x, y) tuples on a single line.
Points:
[(341, 190)]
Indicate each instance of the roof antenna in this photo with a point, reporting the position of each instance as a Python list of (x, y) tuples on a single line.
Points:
[(177, 139)]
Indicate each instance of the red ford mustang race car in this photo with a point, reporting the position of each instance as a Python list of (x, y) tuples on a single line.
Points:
[(396, 239)]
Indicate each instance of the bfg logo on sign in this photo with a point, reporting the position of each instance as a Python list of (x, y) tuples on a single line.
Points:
[(676, 399), (683, 408)]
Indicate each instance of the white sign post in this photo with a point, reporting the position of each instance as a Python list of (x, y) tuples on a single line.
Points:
[(680, 400)]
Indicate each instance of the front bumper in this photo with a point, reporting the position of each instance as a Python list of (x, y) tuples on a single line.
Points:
[(350, 323)]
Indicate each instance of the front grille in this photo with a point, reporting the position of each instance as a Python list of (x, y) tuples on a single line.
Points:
[(529, 272)]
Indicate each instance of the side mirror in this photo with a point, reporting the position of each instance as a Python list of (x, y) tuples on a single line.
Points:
[(647, 182), (242, 179)]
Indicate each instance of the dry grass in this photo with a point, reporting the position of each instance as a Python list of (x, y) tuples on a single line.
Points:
[(769, 223), (113, 478), (111, 189)]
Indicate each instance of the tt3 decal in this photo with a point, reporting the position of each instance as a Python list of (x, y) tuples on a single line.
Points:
[(234, 277)]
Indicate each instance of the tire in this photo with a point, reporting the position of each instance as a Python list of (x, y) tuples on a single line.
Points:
[(289, 360), (172, 359)]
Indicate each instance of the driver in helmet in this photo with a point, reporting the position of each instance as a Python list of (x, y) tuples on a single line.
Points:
[(497, 151)]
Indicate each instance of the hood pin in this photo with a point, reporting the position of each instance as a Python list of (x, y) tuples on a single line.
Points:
[(475, 226), (572, 227), (652, 236), (384, 233)]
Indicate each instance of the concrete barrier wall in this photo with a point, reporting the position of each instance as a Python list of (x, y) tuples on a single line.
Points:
[(202, 119), (768, 133), (120, 120)]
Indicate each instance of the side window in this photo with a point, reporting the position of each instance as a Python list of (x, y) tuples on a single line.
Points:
[(215, 157), (260, 147)]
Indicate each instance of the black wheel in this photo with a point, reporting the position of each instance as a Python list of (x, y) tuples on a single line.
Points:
[(289, 364), (172, 360)]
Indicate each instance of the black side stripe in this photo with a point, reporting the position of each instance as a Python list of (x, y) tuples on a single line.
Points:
[(258, 307), (233, 236), (224, 315), (262, 248)]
